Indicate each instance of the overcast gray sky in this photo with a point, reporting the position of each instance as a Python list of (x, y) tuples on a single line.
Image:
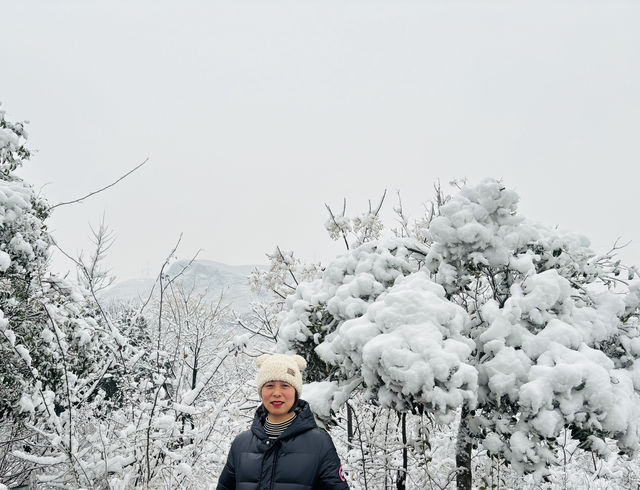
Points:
[(256, 113)]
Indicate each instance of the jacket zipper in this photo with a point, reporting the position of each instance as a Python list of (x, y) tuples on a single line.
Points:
[(275, 461)]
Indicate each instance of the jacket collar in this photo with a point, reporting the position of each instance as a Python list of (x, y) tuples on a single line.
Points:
[(304, 421)]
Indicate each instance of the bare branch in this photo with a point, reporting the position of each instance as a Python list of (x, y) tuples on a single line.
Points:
[(254, 332), (171, 254), (333, 218), (402, 219), (80, 199), (93, 291), (288, 266), (384, 194)]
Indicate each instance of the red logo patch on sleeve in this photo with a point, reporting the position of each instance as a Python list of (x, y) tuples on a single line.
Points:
[(341, 474)]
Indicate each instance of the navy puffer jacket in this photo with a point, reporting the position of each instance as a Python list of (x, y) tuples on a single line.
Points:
[(302, 458)]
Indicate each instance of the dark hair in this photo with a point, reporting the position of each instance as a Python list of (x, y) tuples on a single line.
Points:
[(295, 402)]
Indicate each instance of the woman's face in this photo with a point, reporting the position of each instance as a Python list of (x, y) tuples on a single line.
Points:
[(278, 398)]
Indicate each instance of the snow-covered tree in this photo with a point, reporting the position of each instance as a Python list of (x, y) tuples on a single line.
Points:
[(555, 328), (24, 245), (171, 424), (95, 397), (51, 341), (520, 327)]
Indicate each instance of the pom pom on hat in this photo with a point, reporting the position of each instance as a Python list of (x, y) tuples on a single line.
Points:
[(280, 367)]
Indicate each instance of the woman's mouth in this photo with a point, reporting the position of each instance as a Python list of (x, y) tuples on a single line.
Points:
[(277, 404)]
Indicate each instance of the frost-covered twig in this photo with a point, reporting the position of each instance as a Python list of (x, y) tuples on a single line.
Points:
[(293, 276), (70, 448), (335, 222), (402, 219)]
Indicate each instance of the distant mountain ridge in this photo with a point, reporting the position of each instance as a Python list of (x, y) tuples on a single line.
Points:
[(207, 276)]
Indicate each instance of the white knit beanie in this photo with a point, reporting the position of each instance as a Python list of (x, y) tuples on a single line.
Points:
[(280, 367)]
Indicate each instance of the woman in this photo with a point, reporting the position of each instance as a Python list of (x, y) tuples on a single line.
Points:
[(285, 449)]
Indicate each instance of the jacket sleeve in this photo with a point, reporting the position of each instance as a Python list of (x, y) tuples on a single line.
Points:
[(330, 474), (227, 480)]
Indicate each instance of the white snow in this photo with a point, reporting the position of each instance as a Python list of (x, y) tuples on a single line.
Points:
[(408, 344), (40, 460), (11, 337), (5, 261), (181, 407), (26, 404), (24, 353), (163, 421), (320, 395)]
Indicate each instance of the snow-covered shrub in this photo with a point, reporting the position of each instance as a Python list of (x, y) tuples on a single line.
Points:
[(408, 348), (345, 290), (520, 326), (549, 321)]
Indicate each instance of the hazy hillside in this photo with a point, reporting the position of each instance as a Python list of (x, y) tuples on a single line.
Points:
[(206, 275)]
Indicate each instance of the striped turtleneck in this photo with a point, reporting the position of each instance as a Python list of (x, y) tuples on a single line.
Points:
[(274, 430)]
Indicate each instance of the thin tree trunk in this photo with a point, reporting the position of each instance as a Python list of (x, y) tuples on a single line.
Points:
[(463, 453), (401, 482), (362, 452), (349, 424)]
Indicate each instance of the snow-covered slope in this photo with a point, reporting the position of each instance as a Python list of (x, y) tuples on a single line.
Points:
[(207, 276)]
